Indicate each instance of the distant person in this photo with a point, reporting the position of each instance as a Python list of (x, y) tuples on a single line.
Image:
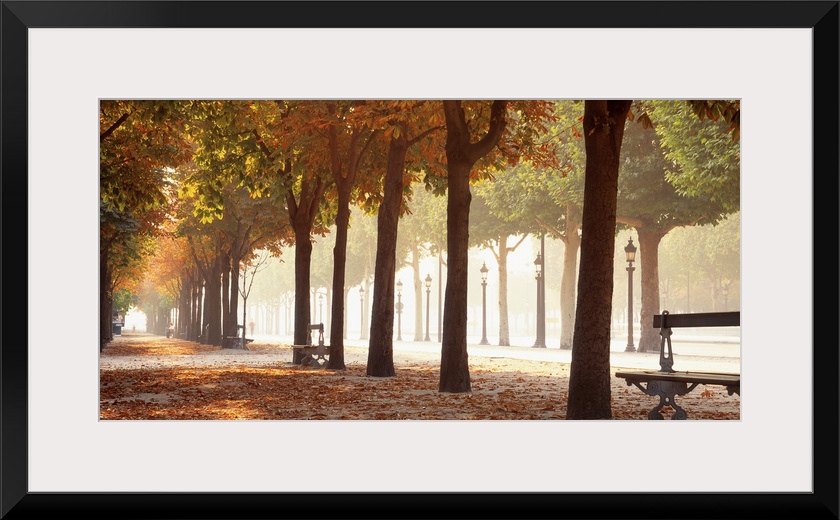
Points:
[(251, 325)]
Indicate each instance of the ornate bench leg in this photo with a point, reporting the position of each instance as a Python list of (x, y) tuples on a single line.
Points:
[(667, 391)]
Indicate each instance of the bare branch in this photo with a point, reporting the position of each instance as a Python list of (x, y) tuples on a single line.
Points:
[(104, 135)]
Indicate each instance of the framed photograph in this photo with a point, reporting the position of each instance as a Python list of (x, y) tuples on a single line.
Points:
[(780, 58)]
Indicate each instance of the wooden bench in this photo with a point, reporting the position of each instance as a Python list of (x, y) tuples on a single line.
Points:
[(237, 342), (666, 383), (314, 355)]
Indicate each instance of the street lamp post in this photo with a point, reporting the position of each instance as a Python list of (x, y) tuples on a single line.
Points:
[(630, 253), (399, 308), (483, 271), (428, 297), (540, 342), (362, 312)]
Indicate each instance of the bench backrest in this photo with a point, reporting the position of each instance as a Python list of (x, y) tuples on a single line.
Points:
[(699, 319), (666, 321), (316, 327)]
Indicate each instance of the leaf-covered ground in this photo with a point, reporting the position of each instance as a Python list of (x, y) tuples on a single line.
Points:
[(144, 377)]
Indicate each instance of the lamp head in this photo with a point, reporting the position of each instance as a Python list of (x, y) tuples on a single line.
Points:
[(630, 251)]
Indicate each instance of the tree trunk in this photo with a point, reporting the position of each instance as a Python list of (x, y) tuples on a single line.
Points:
[(303, 255), (301, 217), (105, 301), (342, 223), (213, 303), (589, 380), (234, 289), (454, 366), (461, 154), (381, 346), (184, 316), (328, 297), (649, 240), (244, 318), (162, 320), (346, 293), (228, 293), (192, 334), (567, 283), (504, 319), (197, 325)]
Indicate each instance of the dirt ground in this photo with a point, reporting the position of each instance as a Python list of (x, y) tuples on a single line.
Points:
[(147, 377)]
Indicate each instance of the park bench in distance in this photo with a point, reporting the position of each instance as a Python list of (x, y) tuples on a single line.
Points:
[(314, 355), (236, 341), (667, 383)]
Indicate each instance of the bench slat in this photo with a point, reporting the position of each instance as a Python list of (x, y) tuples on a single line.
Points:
[(699, 319), (703, 378)]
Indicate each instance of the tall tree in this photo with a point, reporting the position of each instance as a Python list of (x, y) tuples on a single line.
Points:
[(349, 139), (403, 132), (603, 123), (461, 154), (513, 130), (589, 380)]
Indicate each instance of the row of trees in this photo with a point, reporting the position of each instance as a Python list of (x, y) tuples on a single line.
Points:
[(211, 182), (697, 265)]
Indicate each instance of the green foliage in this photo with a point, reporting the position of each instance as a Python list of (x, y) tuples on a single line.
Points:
[(124, 300), (704, 161), (532, 196), (139, 142), (486, 226), (707, 257), (645, 196), (728, 112), (424, 222)]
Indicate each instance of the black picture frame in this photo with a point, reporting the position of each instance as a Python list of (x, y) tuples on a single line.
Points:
[(19, 16)]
